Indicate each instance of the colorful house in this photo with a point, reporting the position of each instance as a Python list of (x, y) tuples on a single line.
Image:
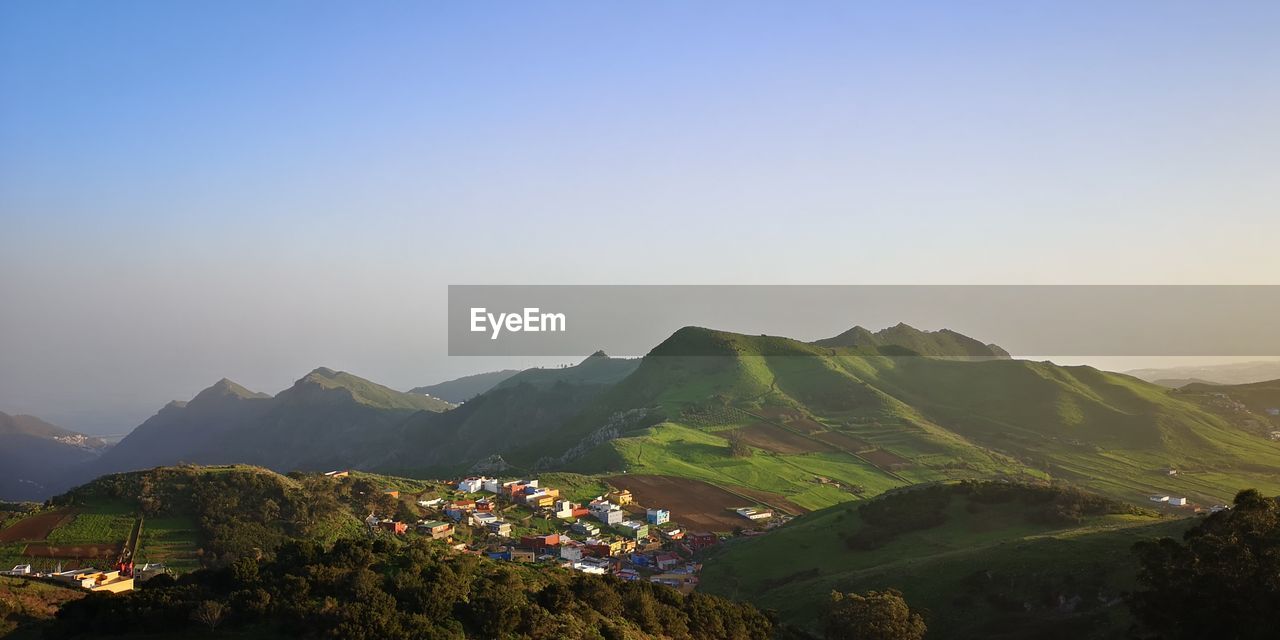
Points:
[(435, 529), (657, 516), (620, 497)]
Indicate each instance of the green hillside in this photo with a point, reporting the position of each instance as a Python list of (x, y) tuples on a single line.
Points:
[(186, 517), (851, 414), (985, 560)]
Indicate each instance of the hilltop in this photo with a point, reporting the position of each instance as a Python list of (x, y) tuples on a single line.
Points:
[(184, 517)]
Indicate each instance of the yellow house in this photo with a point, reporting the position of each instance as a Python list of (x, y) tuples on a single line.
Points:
[(107, 581), (619, 497)]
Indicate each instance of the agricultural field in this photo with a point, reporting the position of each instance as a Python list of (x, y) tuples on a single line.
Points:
[(171, 540), (692, 503), (101, 522)]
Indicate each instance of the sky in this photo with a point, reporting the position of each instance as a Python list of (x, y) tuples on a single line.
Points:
[(196, 190)]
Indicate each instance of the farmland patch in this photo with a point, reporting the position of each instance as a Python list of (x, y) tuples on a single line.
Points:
[(778, 440)]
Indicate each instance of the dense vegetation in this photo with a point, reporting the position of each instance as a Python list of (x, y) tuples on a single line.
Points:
[(239, 511), (1221, 581), (878, 615), (370, 589)]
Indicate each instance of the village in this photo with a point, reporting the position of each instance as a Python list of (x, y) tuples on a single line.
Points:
[(611, 534)]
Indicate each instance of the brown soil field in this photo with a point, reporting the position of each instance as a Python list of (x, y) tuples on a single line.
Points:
[(694, 504), (885, 459), (76, 551), (35, 527), (778, 440), (806, 425), (844, 441), (777, 501)]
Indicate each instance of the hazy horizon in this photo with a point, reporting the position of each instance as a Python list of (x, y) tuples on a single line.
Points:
[(194, 192)]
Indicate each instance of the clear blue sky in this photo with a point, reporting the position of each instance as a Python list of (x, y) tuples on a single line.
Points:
[(193, 190)]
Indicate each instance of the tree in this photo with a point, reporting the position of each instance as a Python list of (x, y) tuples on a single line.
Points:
[(209, 613), (1220, 582), (738, 448), (875, 615)]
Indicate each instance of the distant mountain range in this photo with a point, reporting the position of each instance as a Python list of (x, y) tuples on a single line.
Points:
[(1235, 373), (866, 411), (465, 388), (34, 455), (326, 419)]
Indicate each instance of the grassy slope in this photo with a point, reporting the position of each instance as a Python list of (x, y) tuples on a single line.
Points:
[(107, 508), (949, 418), (980, 574)]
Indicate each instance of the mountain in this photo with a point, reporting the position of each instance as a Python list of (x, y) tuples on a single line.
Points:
[(903, 338), (1174, 383), (823, 421), (327, 419), (465, 388), (1234, 373), (34, 454), (527, 407), (804, 425)]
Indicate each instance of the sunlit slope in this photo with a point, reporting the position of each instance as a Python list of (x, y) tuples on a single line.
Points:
[(891, 419)]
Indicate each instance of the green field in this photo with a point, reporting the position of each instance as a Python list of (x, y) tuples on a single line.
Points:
[(171, 540), (100, 522)]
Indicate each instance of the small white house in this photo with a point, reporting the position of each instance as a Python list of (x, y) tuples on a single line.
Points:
[(564, 509), (1159, 497), (492, 485), (607, 513), (1178, 502), (752, 513), (470, 485)]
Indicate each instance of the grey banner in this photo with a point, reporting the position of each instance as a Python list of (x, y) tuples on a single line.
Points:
[(1128, 320)]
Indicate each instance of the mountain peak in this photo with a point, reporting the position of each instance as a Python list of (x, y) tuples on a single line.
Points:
[(902, 336), (328, 385), (225, 389)]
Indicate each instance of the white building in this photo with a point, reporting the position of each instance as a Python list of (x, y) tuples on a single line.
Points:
[(591, 565), (1178, 502), (754, 514), (607, 513), (492, 485), (471, 485), (1159, 497), (564, 509)]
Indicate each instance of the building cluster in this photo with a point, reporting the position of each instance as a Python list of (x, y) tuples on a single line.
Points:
[(522, 521)]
